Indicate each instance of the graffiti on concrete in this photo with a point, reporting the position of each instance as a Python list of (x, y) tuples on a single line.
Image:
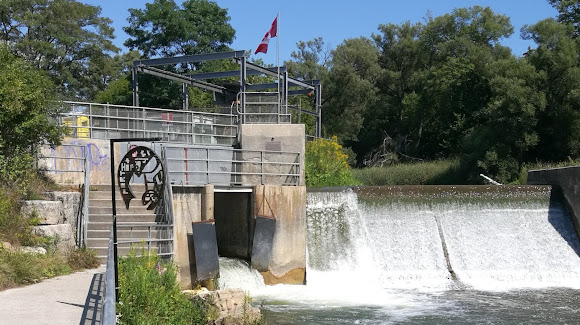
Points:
[(70, 157)]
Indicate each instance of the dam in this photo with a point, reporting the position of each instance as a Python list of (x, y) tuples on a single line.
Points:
[(430, 254)]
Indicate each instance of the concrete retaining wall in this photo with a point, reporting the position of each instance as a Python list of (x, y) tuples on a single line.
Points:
[(99, 161), (288, 205), (568, 180)]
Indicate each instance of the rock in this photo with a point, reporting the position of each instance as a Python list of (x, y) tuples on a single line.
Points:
[(49, 212), (63, 234), (232, 306), (6, 245), (70, 204), (33, 250)]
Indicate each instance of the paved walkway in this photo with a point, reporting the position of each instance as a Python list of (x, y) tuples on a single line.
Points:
[(68, 299)]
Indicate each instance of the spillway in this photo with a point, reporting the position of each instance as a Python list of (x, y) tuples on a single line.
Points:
[(422, 254)]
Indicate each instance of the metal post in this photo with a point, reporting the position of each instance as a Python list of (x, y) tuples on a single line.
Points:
[(261, 167), (148, 239), (318, 111), (114, 208), (143, 117), (243, 88), (285, 94), (185, 93), (90, 121), (135, 78), (86, 197), (207, 163)]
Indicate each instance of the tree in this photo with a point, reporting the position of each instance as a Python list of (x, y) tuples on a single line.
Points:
[(164, 29), (557, 58), (310, 61), (498, 146), (67, 38), (25, 116), (350, 87), (569, 12)]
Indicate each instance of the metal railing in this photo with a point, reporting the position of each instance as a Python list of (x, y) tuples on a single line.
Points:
[(163, 240), (262, 107), (53, 160), (188, 165), (105, 121), (108, 310)]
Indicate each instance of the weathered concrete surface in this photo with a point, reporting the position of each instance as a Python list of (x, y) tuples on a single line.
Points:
[(186, 210), (49, 212), (59, 300), (98, 152), (233, 221), (271, 137), (70, 204), (568, 180), (63, 233), (288, 205)]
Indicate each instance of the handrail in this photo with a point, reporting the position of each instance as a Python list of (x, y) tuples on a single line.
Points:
[(108, 311)]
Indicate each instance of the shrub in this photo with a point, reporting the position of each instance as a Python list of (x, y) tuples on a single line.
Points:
[(149, 294), (82, 258), (326, 164), (18, 268)]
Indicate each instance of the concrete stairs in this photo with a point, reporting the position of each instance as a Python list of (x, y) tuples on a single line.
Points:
[(101, 221)]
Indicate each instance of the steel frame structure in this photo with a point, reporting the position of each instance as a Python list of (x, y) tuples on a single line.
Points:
[(150, 66)]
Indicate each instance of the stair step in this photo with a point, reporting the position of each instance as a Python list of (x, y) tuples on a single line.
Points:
[(124, 233), (120, 209), (106, 202), (107, 187), (106, 225), (123, 218), (135, 242)]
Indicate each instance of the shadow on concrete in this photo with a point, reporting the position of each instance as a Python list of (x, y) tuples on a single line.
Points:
[(93, 303), (561, 220)]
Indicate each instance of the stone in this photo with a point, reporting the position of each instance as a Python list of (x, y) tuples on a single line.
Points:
[(33, 250), (63, 233), (6, 245), (49, 212), (70, 204), (231, 305)]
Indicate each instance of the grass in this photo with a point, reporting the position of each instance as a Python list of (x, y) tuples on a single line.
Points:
[(149, 294), (18, 268), (440, 172)]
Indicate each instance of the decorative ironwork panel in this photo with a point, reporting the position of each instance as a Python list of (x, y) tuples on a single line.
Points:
[(142, 161)]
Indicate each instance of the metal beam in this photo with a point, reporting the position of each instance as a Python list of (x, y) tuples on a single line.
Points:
[(221, 74), (190, 58), (180, 78), (262, 86)]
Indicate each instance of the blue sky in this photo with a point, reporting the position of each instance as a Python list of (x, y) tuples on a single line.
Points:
[(336, 20)]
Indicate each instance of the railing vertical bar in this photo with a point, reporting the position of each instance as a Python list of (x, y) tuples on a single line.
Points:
[(261, 167), (87, 168), (207, 163)]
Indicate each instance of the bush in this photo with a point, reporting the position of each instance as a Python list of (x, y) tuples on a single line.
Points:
[(327, 164), (82, 258), (149, 294), (441, 172), (18, 268)]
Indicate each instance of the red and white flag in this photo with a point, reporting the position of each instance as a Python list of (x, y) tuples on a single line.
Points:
[(273, 32)]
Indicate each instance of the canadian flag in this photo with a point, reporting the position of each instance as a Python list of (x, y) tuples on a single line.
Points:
[(273, 32)]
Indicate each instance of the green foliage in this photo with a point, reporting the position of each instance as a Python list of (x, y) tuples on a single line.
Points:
[(67, 38), (82, 258), (441, 172), (18, 268), (569, 12), (25, 118), (149, 294), (326, 164), (163, 29)]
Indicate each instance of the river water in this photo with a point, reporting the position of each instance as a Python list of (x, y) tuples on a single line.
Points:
[(436, 255)]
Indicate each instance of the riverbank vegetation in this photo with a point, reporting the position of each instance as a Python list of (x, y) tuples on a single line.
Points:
[(149, 293)]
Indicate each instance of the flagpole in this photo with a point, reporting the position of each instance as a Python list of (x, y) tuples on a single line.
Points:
[(278, 62)]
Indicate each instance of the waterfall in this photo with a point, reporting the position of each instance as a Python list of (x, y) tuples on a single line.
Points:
[(489, 240)]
